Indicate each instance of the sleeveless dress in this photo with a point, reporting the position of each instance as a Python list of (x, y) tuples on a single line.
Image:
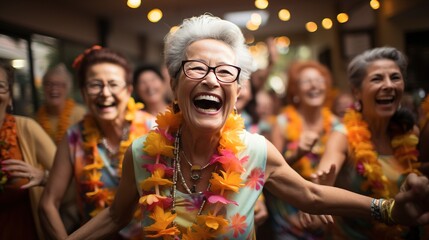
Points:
[(353, 228), (187, 205), (109, 177)]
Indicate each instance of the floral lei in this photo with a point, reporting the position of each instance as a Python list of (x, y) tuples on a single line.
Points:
[(63, 120), (93, 162), (293, 132), (159, 146), (366, 159), (9, 148)]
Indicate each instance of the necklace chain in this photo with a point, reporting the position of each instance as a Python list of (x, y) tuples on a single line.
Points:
[(177, 171)]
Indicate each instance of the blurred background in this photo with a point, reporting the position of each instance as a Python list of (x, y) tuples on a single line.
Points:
[(36, 34)]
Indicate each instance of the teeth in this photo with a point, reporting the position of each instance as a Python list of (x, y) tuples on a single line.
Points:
[(209, 110), (208, 98)]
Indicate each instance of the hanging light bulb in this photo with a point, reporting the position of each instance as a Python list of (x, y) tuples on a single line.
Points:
[(154, 15), (374, 4), (261, 4), (284, 15), (134, 3), (311, 26), (327, 23), (342, 17), (251, 26)]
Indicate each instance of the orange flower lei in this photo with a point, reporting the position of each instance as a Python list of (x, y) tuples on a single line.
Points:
[(94, 164), (159, 146), (366, 159), (9, 148), (425, 112), (63, 120), (293, 132)]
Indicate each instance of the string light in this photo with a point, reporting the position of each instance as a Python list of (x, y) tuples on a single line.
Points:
[(251, 26), (284, 15), (327, 23), (256, 19), (342, 17), (374, 4), (154, 15), (311, 26), (261, 4), (134, 3)]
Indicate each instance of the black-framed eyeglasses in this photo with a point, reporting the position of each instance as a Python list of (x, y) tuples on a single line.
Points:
[(95, 87), (197, 70), (4, 87)]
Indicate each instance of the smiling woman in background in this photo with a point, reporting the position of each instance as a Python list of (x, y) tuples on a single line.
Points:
[(300, 133), (58, 111), (26, 155), (150, 89), (92, 151), (376, 150)]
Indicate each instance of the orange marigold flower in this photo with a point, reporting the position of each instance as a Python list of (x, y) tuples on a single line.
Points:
[(162, 221), (156, 144), (228, 181), (157, 178), (215, 223)]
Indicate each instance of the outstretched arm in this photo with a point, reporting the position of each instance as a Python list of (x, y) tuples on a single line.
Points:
[(411, 207), (60, 177), (119, 214)]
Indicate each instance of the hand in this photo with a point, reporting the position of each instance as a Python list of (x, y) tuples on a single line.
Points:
[(306, 142), (412, 202), (261, 213), (313, 222), (323, 177), (19, 168)]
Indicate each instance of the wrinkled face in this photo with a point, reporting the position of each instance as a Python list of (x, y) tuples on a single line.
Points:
[(106, 92), (55, 89), (245, 95), (4, 95), (150, 87), (381, 89), (206, 103), (311, 87)]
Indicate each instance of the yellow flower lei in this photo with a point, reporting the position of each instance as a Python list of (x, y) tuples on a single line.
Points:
[(63, 120), (159, 146), (366, 159), (293, 132), (94, 164)]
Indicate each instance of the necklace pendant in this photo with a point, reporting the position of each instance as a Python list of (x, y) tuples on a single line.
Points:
[(195, 172)]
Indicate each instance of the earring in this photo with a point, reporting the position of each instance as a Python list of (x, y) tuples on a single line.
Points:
[(357, 105), (235, 110), (176, 108), (9, 108)]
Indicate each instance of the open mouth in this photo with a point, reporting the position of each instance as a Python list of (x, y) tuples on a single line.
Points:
[(385, 100), (207, 103), (104, 105)]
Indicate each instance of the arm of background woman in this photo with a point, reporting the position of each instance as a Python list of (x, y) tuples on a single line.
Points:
[(60, 176), (411, 207), (334, 156), (119, 214), (45, 151)]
